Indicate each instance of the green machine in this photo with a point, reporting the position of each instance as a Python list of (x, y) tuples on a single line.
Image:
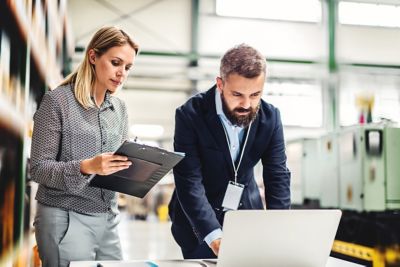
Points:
[(369, 169), (305, 166), (392, 167), (314, 166), (328, 161)]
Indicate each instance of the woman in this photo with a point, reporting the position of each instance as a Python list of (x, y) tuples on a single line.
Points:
[(77, 127)]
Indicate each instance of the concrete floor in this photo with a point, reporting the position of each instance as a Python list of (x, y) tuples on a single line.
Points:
[(148, 239)]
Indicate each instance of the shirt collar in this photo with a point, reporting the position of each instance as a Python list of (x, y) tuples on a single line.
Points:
[(218, 103), (107, 101)]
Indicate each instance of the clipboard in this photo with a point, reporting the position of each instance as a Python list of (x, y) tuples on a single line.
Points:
[(149, 165)]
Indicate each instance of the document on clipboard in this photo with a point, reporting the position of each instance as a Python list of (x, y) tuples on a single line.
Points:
[(149, 165)]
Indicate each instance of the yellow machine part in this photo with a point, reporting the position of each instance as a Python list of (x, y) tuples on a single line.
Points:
[(378, 257)]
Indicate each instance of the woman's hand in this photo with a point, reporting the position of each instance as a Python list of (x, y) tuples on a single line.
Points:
[(105, 164)]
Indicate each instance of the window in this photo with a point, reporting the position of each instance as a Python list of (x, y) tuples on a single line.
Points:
[(382, 90), (369, 14), (300, 104), (289, 10)]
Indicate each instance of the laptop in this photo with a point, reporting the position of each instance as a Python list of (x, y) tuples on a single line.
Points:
[(278, 238)]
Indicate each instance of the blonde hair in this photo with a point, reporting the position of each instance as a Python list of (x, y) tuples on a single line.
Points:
[(84, 77)]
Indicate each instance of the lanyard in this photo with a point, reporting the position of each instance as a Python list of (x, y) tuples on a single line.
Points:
[(236, 168)]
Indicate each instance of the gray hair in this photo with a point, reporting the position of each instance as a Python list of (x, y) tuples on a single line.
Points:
[(243, 60)]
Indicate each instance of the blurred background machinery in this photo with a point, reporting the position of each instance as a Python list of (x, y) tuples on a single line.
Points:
[(355, 169)]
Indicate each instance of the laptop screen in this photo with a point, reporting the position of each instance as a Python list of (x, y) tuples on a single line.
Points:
[(278, 237)]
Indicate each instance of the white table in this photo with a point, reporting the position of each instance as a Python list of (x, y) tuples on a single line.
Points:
[(332, 262)]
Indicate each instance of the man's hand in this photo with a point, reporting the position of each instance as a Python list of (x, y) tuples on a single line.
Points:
[(215, 246)]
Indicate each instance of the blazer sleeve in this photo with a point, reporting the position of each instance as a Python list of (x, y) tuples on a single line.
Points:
[(188, 179), (275, 173)]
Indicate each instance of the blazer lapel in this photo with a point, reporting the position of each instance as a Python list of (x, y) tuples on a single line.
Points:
[(216, 128)]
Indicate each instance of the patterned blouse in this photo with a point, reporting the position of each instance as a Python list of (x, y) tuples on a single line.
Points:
[(65, 133)]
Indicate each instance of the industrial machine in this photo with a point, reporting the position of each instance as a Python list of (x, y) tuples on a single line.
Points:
[(369, 172), (356, 169)]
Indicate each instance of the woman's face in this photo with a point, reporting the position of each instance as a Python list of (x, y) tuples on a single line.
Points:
[(112, 68)]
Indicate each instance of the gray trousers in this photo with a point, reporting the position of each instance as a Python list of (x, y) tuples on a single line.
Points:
[(63, 236)]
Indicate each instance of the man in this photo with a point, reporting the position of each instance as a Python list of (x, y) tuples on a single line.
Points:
[(224, 132)]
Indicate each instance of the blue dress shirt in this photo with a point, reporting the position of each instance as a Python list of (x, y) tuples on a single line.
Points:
[(235, 137)]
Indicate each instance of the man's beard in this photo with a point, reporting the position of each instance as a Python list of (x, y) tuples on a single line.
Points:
[(239, 120)]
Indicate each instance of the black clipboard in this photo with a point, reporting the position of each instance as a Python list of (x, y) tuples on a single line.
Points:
[(149, 165)]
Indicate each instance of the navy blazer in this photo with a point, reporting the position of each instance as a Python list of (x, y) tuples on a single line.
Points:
[(202, 177)]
